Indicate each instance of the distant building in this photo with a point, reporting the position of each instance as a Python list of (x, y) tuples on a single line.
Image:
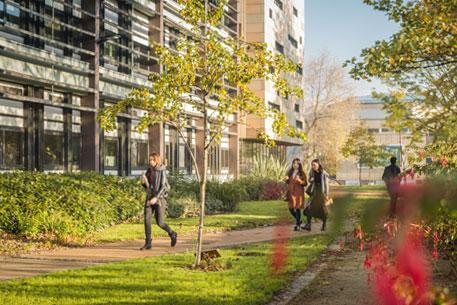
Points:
[(370, 112)]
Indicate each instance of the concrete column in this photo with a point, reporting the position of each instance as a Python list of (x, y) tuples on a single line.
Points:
[(234, 151), (199, 144), (90, 128), (157, 139)]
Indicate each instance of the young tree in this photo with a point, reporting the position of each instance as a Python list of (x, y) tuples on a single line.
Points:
[(329, 109), (197, 71), (362, 145)]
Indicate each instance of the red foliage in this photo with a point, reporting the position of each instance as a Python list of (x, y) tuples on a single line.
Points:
[(401, 275), (273, 190), (279, 255)]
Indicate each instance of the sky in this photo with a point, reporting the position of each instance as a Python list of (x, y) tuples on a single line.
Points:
[(344, 28)]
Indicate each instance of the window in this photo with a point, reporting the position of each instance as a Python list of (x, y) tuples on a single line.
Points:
[(299, 124), (13, 10), (139, 148), (301, 40), (54, 96), (286, 94), (13, 14), (295, 11), (279, 3), (385, 129), (279, 47), (171, 148), (297, 108), (274, 106), (214, 160), (56, 5), (76, 140), (53, 138), (139, 154), (110, 50), (300, 70), (111, 152), (11, 149), (271, 13), (10, 88), (250, 151), (11, 135), (225, 158), (77, 11), (293, 41), (373, 130)]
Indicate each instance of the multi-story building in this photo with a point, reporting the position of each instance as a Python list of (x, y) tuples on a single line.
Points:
[(371, 114), (279, 24), (62, 60)]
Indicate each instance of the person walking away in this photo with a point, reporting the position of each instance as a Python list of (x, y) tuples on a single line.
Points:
[(296, 182), (391, 177), (156, 183), (318, 190)]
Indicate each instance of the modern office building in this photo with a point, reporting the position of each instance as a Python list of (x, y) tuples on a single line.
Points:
[(280, 24), (62, 60), (371, 113)]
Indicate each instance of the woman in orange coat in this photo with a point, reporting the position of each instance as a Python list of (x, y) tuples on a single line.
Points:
[(296, 182)]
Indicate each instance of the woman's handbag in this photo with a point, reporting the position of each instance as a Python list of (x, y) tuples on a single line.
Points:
[(328, 201), (308, 189), (287, 196)]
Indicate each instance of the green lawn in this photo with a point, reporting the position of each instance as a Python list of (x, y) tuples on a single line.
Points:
[(251, 214), (247, 279)]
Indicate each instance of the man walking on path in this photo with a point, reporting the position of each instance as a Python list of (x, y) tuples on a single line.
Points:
[(392, 179)]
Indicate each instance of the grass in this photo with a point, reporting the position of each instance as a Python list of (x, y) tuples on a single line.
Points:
[(247, 279), (250, 215)]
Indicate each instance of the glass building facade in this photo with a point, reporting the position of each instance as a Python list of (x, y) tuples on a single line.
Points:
[(62, 60)]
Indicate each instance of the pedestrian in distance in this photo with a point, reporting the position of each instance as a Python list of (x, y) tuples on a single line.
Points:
[(318, 190), (296, 182), (392, 179), (156, 183)]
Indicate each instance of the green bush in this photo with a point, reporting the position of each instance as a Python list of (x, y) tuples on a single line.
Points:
[(213, 205), (65, 206), (183, 206), (220, 197), (228, 192)]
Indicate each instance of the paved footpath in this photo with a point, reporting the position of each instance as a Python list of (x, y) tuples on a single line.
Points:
[(74, 258)]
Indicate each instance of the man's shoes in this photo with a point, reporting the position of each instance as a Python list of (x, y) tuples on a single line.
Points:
[(323, 227), (297, 228), (174, 239), (147, 245), (307, 227)]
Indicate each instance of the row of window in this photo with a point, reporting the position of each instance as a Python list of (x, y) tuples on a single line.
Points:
[(281, 7), (278, 107), (385, 130), (280, 48)]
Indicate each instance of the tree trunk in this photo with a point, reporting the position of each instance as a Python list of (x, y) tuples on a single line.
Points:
[(202, 208), (203, 176), (360, 173)]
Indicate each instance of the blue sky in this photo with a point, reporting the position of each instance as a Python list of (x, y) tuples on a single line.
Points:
[(344, 28)]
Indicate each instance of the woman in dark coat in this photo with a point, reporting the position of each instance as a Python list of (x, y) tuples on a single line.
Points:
[(296, 182), (318, 189), (156, 183)]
